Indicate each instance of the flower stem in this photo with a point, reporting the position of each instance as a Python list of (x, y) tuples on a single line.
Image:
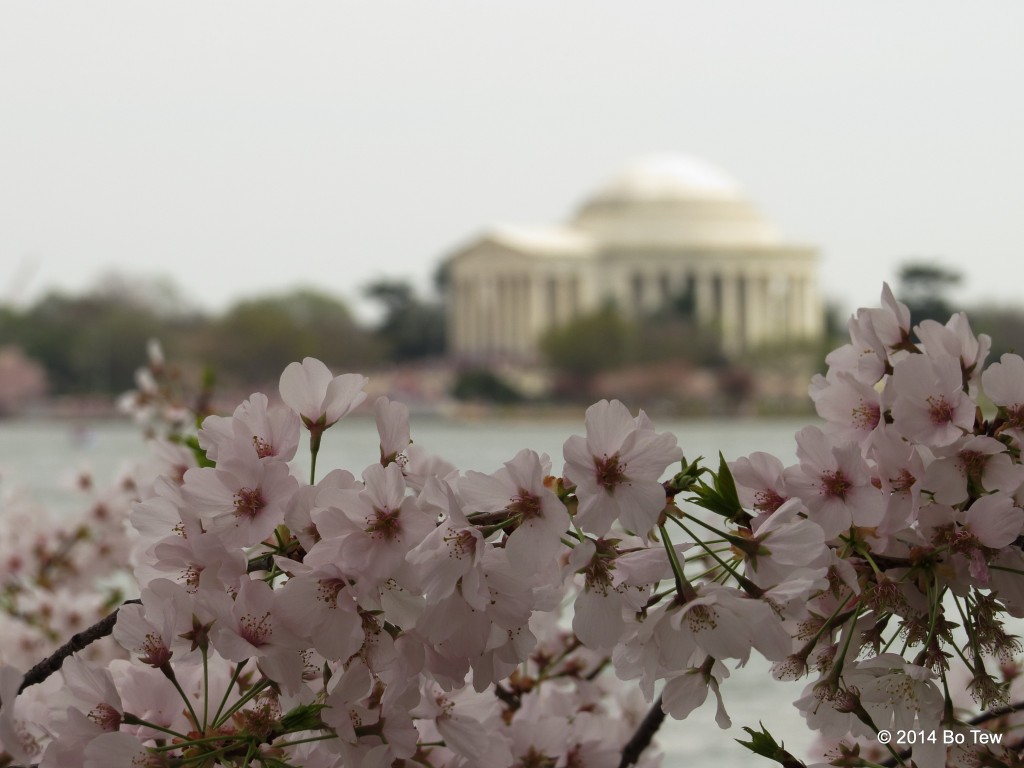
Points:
[(684, 589), (227, 691)]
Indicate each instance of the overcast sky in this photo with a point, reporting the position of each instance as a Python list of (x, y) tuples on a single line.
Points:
[(244, 147)]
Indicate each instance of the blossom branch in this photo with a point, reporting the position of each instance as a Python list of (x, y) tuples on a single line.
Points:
[(100, 629), (78, 641), (643, 736)]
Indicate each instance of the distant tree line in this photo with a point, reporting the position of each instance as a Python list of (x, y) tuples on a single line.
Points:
[(924, 286), (94, 342)]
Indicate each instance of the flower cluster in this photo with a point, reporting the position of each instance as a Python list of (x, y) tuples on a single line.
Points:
[(59, 573), (410, 615)]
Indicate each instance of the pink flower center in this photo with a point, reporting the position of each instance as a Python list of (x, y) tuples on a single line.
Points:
[(939, 410), (903, 482), (384, 525), (962, 541), (701, 617), (598, 571), (328, 590), (526, 504), (972, 463), (106, 717), (535, 759), (1015, 416), (767, 500), (865, 416), (255, 630), (154, 651), (835, 484), (263, 448), (190, 578), (461, 544), (609, 472), (598, 574), (249, 502)]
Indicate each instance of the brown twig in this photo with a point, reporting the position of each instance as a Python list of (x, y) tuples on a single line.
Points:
[(100, 629), (643, 736), (78, 641)]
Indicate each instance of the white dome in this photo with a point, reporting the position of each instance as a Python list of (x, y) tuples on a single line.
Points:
[(672, 200), (670, 177)]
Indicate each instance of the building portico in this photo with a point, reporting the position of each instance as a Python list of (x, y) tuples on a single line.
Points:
[(667, 227)]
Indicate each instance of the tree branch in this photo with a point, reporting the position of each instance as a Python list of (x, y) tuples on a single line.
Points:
[(100, 629), (643, 736), (81, 640)]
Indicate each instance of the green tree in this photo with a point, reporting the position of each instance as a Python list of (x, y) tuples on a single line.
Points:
[(924, 288), (482, 384), (411, 327), (590, 343), (256, 338), (88, 344)]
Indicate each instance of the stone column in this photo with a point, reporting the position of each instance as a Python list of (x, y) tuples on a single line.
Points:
[(704, 298), (508, 320), (812, 307), (732, 341), (470, 321), (539, 320), (457, 316), (753, 316), (485, 309), (515, 313)]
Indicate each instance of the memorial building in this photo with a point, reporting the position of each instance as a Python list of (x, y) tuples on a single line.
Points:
[(667, 229)]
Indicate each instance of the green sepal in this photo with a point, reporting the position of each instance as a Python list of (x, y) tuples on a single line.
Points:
[(687, 480), (720, 497), (764, 744), (305, 717)]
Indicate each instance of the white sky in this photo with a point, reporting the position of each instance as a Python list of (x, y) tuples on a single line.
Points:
[(242, 147)]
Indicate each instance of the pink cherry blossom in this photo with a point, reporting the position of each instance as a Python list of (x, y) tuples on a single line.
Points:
[(372, 529), (834, 483), (1004, 384), (617, 469), (393, 427), (929, 403), (685, 691), (518, 489), (248, 626), (242, 504), (760, 482), (256, 429), (851, 408), (319, 398), (955, 339)]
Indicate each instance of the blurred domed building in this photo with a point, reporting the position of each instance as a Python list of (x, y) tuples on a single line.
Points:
[(669, 229)]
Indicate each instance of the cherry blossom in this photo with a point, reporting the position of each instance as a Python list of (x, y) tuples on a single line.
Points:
[(617, 467), (309, 389), (929, 403), (519, 490), (834, 483), (243, 504), (1004, 384)]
